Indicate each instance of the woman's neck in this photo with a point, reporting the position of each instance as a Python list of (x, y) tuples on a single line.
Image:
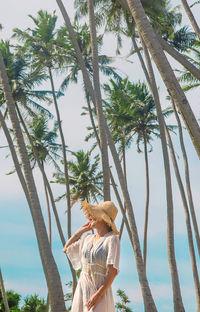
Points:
[(102, 231)]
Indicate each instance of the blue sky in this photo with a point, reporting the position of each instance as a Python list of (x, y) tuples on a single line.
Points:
[(19, 256)]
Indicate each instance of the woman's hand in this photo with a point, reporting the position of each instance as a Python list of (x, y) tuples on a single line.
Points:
[(93, 301), (84, 228)]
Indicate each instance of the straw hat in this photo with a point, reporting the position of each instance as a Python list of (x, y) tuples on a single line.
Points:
[(106, 211)]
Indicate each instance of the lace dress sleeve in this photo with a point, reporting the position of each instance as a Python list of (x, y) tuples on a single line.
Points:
[(74, 253), (114, 252)]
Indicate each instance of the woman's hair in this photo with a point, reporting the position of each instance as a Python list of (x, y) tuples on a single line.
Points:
[(110, 229)]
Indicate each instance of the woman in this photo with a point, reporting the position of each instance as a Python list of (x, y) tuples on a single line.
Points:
[(98, 256)]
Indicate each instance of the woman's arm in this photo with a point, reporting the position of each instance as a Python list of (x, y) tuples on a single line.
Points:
[(84, 228), (96, 297)]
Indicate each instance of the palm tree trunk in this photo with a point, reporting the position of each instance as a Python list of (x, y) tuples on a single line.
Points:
[(147, 203), (3, 292), (47, 185), (111, 175), (187, 217), (187, 179), (179, 57), (146, 292), (14, 157), (125, 177), (97, 92), (170, 50), (86, 78), (166, 71), (178, 303), (140, 59), (191, 18), (64, 156), (65, 173), (49, 265), (48, 208)]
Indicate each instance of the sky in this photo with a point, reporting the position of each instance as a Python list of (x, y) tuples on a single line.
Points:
[(19, 256)]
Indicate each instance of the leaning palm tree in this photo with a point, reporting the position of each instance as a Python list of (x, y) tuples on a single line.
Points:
[(146, 292), (187, 79), (84, 177), (191, 17), (23, 82), (41, 44), (49, 265), (129, 106), (46, 149)]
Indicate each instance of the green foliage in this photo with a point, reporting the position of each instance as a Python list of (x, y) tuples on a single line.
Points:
[(33, 303), (13, 301), (186, 78), (23, 81), (72, 67), (124, 300), (84, 177), (44, 142)]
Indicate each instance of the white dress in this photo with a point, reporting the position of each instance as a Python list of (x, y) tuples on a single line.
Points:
[(94, 261)]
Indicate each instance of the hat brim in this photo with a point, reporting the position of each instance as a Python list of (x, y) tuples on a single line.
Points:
[(95, 212)]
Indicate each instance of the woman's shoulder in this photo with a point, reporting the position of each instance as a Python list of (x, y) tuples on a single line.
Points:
[(88, 236), (112, 237)]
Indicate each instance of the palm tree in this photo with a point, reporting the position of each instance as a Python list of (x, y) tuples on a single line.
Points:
[(191, 17), (33, 303), (130, 107), (178, 304), (23, 82), (148, 299), (165, 70), (46, 52), (84, 177), (187, 179), (186, 77), (71, 66), (98, 101), (49, 265), (41, 44), (47, 150), (188, 222)]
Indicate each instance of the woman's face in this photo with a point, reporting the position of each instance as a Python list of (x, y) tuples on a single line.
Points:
[(95, 223)]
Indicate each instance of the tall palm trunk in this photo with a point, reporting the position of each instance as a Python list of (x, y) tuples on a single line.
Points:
[(64, 156), (187, 179), (47, 185), (187, 217), (147, 202), (146, 292), (179, 57), (3, 292), (97, 92), (191, 18), (49, 265), (178, 303), (14, 157), (123, 212), (65, 171), (48, 208), (125, 177), (169, 49), (166, 71)]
